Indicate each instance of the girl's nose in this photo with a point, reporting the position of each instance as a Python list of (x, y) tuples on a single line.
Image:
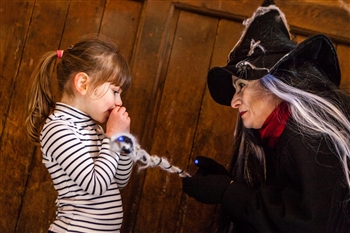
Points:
[(118, 101)]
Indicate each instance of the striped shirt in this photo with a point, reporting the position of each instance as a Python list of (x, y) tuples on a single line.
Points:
[(85, 172)]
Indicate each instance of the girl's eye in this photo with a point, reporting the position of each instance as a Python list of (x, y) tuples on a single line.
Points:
[(116, 90)]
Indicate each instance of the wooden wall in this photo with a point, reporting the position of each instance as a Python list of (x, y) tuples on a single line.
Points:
[(170, 46)]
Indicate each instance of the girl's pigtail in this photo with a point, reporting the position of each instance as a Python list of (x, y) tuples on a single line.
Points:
[(40, 98)]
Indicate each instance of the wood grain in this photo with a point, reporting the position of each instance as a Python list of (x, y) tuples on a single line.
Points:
[(170, 46), (16, 150)]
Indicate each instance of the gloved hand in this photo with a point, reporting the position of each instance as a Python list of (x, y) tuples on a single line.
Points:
[(209, 182), (207, 189), (209, 166)]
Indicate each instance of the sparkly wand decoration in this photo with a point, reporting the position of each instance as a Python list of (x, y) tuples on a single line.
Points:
[(128, 145)]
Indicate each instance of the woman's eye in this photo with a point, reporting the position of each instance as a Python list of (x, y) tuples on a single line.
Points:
[(240, 85)]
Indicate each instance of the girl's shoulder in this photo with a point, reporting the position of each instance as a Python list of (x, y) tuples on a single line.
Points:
[(58, 123), (58, 120), (68, 123)]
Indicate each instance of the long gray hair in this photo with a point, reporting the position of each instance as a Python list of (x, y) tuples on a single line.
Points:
[(318, 115), (318, 107)]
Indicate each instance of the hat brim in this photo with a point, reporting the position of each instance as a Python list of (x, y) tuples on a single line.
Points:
[(317, 49), (220, 85)]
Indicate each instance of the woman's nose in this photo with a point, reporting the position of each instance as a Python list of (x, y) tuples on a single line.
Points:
[(235, 102)]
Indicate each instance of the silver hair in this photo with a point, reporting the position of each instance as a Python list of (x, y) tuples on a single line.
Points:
[(316, 116)]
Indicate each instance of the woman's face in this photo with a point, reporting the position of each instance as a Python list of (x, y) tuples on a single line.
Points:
[(253, 102)]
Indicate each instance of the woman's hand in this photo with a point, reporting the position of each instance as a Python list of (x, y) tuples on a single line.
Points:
[(208, 166), (209, 183), (118, 121), (207, 189)]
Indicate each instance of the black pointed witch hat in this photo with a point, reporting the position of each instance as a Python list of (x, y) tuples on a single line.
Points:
[(264, 46)]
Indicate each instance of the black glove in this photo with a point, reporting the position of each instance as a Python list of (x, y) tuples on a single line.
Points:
[(208, 166), (209, 182), (207, 189)]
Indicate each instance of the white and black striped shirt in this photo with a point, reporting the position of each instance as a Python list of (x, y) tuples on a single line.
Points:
[(85, 172)]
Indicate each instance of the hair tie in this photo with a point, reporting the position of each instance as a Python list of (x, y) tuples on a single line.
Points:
[(59, 53)]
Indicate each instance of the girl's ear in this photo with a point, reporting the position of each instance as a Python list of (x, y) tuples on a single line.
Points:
[(81, 83)]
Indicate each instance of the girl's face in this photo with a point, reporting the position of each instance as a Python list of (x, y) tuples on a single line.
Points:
[(101, 102), (253, 102)]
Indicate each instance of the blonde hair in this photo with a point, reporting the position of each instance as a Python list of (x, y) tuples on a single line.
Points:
[(95, 55)]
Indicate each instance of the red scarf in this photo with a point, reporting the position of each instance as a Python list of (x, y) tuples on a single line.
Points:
[(275, 124)]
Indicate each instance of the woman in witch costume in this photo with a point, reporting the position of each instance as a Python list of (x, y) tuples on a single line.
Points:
[(290, 170)]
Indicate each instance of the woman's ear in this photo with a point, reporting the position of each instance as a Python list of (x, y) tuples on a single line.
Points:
[(81, 83)]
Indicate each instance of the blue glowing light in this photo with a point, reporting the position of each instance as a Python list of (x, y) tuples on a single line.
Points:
[(121, 139), (196, 161)]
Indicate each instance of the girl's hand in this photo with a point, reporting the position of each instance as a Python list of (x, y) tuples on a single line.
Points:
[(118, 121)]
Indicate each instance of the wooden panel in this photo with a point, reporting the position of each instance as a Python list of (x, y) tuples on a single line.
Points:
[(178, 115), (18, 151), (121, 21), (140, 99), (330, 19), (344, 61), (13, 32), (12, 39), (309, 19), (147, 57), (214, 131), (81, 21), (299, 38)]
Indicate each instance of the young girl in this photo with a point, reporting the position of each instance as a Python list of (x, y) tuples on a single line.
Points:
[(85, 172)]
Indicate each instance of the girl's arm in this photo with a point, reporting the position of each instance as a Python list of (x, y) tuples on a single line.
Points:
[(60, 143), (124, 170)]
